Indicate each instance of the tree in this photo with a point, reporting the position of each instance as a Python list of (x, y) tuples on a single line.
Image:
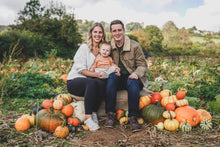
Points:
[(53, 23), (156, 38), (133, 26), (169, 32)]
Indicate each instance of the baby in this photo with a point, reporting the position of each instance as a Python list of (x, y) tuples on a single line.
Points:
[(104, 63)]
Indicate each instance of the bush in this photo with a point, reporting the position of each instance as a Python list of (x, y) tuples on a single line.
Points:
[(32, 85)]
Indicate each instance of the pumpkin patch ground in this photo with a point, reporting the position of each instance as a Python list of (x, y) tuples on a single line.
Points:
[(121, 135)]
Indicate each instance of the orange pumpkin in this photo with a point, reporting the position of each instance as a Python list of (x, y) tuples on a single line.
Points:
[(67, 110), (73, 121), (61, 131), (180, 95), (57, 104), (187, 113), (86, 128), (46, 104), (155, 97), (165, 93), (49, 119), (119, 113), (64, 77), (170, 106), (22, 124), (168, 99), (144, 101), (204, 115)]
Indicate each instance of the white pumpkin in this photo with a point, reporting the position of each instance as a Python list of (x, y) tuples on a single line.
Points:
[(79, 110), (160, 126)]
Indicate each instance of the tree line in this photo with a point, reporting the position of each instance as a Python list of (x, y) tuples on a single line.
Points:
[(43, 30)]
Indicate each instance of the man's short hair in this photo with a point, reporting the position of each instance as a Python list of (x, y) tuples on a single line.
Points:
[(116, 22)]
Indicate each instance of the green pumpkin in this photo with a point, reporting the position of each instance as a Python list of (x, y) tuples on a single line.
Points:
[(185, 127), (153, 113), (206, 124)]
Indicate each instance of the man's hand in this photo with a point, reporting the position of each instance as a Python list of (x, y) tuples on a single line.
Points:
[(133, 76)]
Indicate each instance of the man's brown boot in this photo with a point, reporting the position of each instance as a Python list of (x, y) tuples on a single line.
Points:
[(109, 123), (134, 124)]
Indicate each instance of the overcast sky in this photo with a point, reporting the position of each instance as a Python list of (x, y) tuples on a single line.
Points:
[(204, 14)]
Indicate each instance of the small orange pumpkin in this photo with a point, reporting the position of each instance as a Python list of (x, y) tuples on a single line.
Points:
[(119, 113), (64, 77), (46, 104), (65, 97), (22, 124), (73, 121), (67, 110), (144, 101), (204, 115), (61, 131), (168, 99), (180, 95), (170, 106)]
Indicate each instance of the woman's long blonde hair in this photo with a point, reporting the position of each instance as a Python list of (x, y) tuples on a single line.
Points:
[(90, 41)]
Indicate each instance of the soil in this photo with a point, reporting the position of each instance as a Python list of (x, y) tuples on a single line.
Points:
[(121, 136)]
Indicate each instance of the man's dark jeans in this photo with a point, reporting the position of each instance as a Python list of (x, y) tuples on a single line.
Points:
[(133, 87)]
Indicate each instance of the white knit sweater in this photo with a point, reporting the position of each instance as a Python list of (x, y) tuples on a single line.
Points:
[(83, 59)]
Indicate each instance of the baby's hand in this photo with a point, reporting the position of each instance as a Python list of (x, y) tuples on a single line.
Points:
[(118, 74)]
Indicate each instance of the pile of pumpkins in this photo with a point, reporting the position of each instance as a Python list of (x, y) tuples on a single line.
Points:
[(55, 115), (171, 112)]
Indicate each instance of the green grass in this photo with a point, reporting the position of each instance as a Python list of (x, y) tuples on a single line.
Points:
[(201, 39)]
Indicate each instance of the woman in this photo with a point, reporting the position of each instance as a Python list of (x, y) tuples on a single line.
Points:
[(82, 82)]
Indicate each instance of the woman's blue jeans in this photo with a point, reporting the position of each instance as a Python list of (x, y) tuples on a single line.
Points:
[(133, 87)]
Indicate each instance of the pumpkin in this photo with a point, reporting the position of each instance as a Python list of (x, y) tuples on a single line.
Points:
[(171, 124), (30, 117), (180, 95), (22, 124), (170, 106), (46, 104), (204, 115), (165, 93), (187, 113), (183, 102), (206, 124), (79, 110), (61, 131), (66, 97), (144, 101), (57, 104), (160, 126), (63, 99), (120, 113), (123, 120), (168, 99), (86, 128), (155, 97), (153, 113), (140, 121), (64, 77), (49, 119), (185, 127), (73, 121), (67, 110), (166, 114)]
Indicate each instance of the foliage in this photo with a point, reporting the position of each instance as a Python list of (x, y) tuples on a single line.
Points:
[(53, 23), (133, 26), (32, 85), (156, 38)]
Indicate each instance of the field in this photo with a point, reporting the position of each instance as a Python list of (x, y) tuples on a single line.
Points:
[(199, 76), (201, 39)]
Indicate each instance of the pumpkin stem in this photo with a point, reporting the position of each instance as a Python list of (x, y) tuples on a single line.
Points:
[(170, 93), (158, 103), (170, 115), (51, 109)]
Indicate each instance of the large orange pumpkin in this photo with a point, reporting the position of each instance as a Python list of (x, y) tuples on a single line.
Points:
[(49, 119), (144, 101), (204, 115), (187, 113)]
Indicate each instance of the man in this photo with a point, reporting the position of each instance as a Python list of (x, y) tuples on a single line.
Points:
[(127, 54)]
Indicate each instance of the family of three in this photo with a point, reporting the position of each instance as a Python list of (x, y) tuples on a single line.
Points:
[(126, 67)]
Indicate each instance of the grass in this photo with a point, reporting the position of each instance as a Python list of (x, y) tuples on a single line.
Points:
[(201, 39)]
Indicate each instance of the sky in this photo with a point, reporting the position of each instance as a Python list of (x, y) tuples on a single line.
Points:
[(204, 14)]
